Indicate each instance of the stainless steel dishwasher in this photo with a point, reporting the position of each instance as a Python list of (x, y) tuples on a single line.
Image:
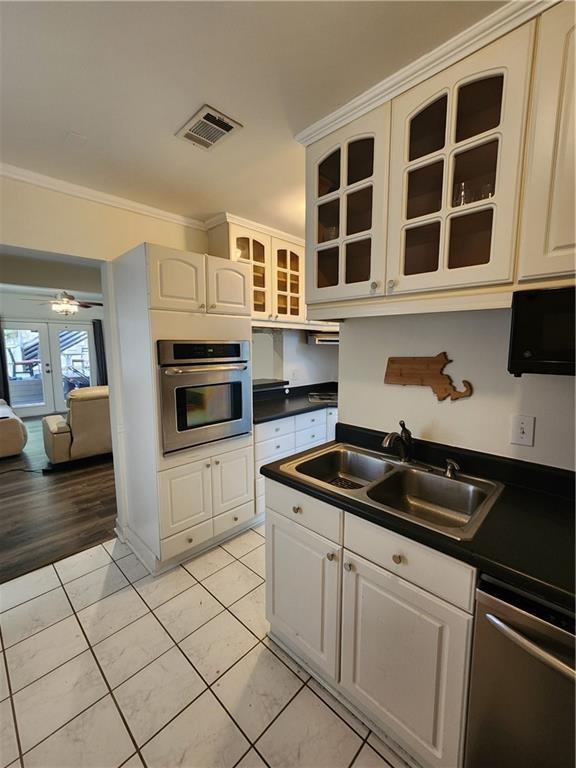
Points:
[(521, 705)]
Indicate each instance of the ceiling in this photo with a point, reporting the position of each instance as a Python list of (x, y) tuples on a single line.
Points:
[(93, 92)]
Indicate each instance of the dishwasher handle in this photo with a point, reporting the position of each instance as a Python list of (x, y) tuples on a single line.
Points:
[(531, 647)]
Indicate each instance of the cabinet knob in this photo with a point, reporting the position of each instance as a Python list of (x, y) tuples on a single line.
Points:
[(330, 556), (391, 283), (277, 447), (270, 317), (397, 559), (208, 465), (297, 510), (202, 306), (276, 317), (312, 436), (212, 306), (277, 429), (312, 420), (348, 566), (235, 518), (374, 284), (189, 539), (217, 461)]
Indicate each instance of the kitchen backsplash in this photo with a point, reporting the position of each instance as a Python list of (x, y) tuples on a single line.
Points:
[(477, 342)]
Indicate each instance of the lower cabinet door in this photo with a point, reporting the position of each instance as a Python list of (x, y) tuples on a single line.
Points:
[(185, 497), (232, 479), (405, 658), (303, 590)]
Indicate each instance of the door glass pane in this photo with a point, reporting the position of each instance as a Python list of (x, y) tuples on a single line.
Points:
[(425, 190), (294, 284), (470, 238), (282, 258), (360, 160), (258, 252), (428, 129), (282, 304), (358, 261), (421, 249), (475, 174), (479, 107), (294, 305), (24, 367), (243, 248), (327, 267), (74, 359), (294, 262), (329, 174), (359, 211), (259, 301), (258, 276), (328, 221), (282, 281)]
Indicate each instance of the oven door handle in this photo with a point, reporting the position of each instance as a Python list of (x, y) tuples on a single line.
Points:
[(204, 369), (531, 648)]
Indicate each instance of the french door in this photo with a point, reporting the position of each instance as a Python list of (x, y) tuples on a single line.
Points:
[(45, 361)]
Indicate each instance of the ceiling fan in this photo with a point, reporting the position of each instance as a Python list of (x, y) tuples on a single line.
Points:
[(66, 304)]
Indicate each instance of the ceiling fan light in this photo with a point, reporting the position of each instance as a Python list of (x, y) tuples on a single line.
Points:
[(65, 308)]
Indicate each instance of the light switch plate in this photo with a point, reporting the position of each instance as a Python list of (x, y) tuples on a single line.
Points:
[(522, 432)]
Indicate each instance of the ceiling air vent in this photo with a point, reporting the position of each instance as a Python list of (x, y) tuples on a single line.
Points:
[(207, 127)]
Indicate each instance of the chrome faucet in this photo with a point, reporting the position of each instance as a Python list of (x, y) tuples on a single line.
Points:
[(404, 440)]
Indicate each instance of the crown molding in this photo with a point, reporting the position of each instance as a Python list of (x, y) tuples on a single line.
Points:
[(85, 193), (485, 31), (230, 218)]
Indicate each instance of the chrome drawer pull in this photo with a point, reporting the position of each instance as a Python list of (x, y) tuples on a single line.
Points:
[(297, 510), (330, 556), (189, 539), (397, 559), (348, 566)]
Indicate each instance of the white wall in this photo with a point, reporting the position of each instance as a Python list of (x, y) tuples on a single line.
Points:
[(477, 342), (49, 273), (267, 355), (306, 364)]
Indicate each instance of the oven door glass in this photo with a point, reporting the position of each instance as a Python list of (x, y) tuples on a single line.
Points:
[(207, 404)]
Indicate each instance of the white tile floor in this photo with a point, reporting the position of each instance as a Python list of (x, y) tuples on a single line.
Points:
[(103, 666)]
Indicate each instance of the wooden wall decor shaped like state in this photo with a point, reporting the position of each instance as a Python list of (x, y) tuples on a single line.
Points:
[(426, 372)]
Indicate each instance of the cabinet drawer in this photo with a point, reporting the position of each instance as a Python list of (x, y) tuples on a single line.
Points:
[(278, 446), (188, 539), (311, 513), (433, 571), (305, 437), (272, 429), (235, 517), (307, 420)]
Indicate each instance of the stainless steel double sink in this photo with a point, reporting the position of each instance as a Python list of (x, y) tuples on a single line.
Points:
[(455, 506)]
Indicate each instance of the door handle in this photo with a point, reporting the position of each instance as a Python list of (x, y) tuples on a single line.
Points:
[(204, 369), (530, 647)]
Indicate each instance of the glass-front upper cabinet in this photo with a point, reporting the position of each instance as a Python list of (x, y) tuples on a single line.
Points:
[(455, 163), (288, 276), (346, 175), (254, 248)]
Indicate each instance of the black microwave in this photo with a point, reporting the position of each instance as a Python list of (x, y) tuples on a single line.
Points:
[(542, 332)]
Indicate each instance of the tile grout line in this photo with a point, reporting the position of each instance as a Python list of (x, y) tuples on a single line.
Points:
[(12, 705), (360, 748), (106, 683)]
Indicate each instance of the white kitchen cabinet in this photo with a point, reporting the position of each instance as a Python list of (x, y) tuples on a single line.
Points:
[(303, 590), (287, 281), (232, 480), (455, 169), (185, 496), (227, 287), (547, 236), (405, 656), (331, 421), (346, 184), (176, 279), (254, 248)]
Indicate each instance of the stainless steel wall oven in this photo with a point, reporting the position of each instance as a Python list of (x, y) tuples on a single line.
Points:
[(205, 391)]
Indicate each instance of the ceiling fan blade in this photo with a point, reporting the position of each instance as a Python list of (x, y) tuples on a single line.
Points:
[(88, 304)]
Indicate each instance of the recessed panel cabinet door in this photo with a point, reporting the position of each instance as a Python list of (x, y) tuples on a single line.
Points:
[(228, 287), (185, 497), (455, 170), (176, 279), (303, 590), (548, 234), (232, 479), (405, 656)]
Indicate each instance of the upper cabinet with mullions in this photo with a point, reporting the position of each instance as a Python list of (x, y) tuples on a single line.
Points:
[(455, 170), (346, 209)]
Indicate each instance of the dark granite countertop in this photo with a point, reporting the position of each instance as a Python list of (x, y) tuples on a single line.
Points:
[(276, 405), (526, 540)]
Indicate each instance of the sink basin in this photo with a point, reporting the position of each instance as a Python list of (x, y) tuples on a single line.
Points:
[(431, 498), (345, 468)]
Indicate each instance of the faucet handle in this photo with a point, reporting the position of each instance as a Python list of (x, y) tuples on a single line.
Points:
[(405, 433), (451, 468)]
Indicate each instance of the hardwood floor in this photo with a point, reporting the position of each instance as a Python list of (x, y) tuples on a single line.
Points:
[(44, 518)]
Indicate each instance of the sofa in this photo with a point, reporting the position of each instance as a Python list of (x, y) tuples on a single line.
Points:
[(84, 431), (13, 432)]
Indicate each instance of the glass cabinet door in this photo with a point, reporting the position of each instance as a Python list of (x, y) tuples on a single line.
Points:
[(254, 248), (346, 176), (288, 262), (455, 161)]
